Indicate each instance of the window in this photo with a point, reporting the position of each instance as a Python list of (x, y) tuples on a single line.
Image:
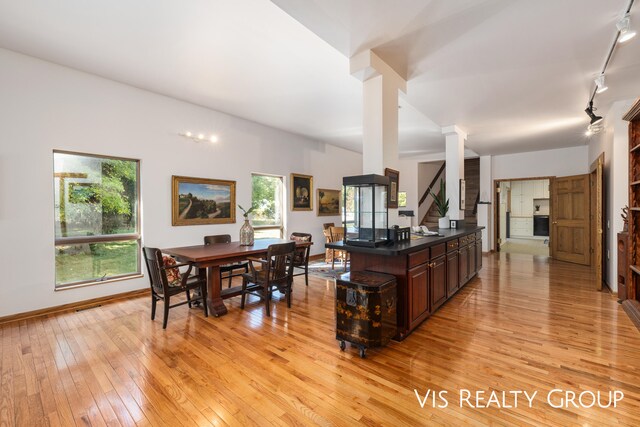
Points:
[(97, 226), (267, 196)]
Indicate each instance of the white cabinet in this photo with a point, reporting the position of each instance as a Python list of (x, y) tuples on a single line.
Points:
[(521, 227), (541, 189)]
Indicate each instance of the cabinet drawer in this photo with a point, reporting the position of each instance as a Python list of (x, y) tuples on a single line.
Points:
[(438, 250), (418, 258), (478, 235), (452, 245)]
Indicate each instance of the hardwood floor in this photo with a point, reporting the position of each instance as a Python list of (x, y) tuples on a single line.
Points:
[(525, 323)]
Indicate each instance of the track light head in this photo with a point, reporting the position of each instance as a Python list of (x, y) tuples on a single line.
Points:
[(624, 26), (594, 119), (600, 85)]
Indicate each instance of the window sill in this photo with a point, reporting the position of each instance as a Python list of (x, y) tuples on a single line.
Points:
[(97, 282)]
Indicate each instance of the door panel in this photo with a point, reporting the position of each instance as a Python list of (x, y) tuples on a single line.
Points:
[(571, 234)]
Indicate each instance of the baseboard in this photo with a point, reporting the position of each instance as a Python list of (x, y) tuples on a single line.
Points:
[(316, 257), (72, 306)]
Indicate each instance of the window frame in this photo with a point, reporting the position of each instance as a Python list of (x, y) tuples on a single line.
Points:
[(283, 207), (101, 238)]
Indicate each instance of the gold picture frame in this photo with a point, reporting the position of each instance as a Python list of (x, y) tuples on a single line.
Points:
[(329, 202), (198, 201), (301, 192)]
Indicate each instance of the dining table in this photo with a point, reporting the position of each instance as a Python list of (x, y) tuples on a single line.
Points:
[(209, 258)]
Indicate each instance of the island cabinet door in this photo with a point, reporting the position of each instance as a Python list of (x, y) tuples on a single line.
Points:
[(418, 283), (463, 266), (438, 281), (452, 273), (472, 260), (478, 255)]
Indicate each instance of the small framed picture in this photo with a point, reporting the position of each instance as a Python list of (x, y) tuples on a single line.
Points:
[(394, 181), (301, 192), (462, 193), (453, 223)]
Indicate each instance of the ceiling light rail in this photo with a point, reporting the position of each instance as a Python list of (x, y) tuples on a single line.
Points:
[(200, 137), (624, 33)]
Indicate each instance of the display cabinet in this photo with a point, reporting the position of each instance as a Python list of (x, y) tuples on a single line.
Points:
[(365, 212)]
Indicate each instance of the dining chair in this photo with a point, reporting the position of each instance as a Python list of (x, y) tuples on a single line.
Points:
[(167, 281), (301, 259), (227, 270), (336, 234), (276, 272)]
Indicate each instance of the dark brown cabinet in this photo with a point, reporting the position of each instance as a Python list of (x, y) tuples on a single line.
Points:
[(452, 273), (463, 266), (478, 255), (418, 283), (438, 281)]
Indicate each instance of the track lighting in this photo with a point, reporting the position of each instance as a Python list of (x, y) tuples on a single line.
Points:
[(201, 137), (601, 87), (594, 119), (624, 26)]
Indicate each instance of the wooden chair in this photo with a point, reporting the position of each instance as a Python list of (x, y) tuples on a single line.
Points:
[(327, 237), (166, 281), (226, 271), (276, 272), (301, 259), (337, 235)]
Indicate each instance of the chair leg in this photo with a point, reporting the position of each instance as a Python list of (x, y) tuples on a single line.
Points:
[(154, 302), (244, 293), (333, 259), (267, 299), (188, 292), (289, 288), (166, 313), (306, 276)]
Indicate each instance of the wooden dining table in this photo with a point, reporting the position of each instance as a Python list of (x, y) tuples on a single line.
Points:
[(211, 257)]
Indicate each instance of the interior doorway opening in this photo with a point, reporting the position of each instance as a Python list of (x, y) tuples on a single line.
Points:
[(524, 209)]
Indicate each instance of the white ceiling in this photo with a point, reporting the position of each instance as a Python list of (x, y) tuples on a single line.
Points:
[(515, 74)]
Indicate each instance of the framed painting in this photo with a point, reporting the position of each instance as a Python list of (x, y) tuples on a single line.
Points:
[(197, 201), (328, 202), (392, 195), (462, 195), (301, 192)]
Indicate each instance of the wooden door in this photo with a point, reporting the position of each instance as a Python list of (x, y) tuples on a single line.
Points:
[(597, 219), (570, 219), (418, 282), (463, 263), (438, 281)]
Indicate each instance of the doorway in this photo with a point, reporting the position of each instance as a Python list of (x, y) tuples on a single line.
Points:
[(523, 216)]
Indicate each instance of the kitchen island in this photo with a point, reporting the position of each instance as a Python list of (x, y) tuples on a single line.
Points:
[(429, 270)]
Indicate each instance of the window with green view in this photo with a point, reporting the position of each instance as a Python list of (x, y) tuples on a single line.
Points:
[(97, 236), (267, 198)]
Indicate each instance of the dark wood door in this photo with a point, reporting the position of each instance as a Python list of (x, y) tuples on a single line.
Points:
[(438, 281), (418, 282), (570, 214), (463, 266), (452, 273)]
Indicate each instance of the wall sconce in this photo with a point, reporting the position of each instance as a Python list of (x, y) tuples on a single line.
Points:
[(200, 137)]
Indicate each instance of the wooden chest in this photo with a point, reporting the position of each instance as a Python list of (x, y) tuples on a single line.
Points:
[(366, 314)]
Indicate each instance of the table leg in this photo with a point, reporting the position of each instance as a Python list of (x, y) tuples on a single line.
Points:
[(214, 300)]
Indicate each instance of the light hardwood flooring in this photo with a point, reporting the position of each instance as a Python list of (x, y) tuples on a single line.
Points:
[(525, 323)]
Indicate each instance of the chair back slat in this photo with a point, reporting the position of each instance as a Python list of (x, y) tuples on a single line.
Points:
[(218, 238), (302, 252), (157, 276)]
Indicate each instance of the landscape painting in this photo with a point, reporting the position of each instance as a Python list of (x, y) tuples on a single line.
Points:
[(328, 202), (198, 201)]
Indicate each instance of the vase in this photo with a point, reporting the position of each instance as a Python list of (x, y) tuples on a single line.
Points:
[(443, 222), (246, 233)]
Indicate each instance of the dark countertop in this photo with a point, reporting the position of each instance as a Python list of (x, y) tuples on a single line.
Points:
[(410, 246)]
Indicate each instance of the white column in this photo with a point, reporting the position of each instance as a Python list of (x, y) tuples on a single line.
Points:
[(454, 172), (380, 111), (485, 211)]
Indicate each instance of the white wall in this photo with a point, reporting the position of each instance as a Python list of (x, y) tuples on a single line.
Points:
[(614, 143), (45, 107), (559, 162)]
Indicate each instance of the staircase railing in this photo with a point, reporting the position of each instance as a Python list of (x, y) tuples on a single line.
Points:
[(433, 182)]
